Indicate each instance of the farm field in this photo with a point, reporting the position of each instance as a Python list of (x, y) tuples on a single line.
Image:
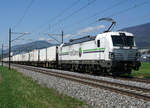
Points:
[(18, 91), (144, 71)]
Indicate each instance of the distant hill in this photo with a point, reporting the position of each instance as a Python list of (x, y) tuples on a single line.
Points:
[(142, 34), (29, 47)]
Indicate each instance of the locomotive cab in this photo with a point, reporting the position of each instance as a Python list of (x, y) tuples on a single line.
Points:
[(119, 51)]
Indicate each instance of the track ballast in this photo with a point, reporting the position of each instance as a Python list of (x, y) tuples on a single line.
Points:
[(133, 91)]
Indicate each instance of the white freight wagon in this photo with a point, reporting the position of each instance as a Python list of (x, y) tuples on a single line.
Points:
[(25, 57), (14, 58), (51, 53), (43, 54), (31, 54), (6, 59), (19, 57), (34, 55)]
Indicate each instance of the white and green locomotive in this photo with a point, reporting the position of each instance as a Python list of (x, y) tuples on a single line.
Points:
[(109, 52)]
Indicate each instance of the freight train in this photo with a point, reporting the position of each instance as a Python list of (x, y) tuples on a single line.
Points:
[(112, 53), (107, 53)]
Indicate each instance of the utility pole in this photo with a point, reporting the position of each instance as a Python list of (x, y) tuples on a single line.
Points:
[(10, 33), (9, 47), (59, 41), (62, 36), (2, 55)]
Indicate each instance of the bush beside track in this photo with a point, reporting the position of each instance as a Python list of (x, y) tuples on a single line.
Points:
[(18, 91), (144, 71)]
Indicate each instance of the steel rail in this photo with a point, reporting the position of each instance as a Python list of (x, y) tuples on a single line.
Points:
[(137, 92)]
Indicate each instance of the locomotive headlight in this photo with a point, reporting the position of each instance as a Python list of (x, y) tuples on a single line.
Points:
[(111, 55)]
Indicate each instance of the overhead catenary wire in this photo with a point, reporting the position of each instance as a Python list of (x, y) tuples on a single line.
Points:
[(125, 10), (59, 14), (19, 37), (27, 9), (122, 11), (114, 14), (97, 13), (128, 9), (78, 10), (73, 13), (76, 2), (24, 14)]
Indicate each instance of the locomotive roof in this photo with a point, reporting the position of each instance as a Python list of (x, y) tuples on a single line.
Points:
[(80, 40), (89, 38)]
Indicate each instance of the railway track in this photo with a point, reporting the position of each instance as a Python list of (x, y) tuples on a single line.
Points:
[(143, 80), (133, 91)]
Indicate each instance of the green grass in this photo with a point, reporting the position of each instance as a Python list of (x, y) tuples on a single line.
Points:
[(143, 72), (18, 91)]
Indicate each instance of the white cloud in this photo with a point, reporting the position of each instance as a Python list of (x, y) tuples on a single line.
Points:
[(85, 30), (90, 29), (48, 40)]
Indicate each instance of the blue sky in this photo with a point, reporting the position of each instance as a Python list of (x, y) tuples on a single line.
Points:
[(52, 16)]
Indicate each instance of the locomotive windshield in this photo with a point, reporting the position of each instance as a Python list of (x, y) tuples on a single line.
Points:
[(122, 40)]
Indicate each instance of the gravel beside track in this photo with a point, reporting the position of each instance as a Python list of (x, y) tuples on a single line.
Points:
[(96, 97), (121, 81)]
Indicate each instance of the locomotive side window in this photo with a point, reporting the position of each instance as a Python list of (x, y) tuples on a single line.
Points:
[(98, 43)]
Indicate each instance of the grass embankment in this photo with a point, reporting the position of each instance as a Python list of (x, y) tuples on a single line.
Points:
[(143, 72), (18, 91)]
